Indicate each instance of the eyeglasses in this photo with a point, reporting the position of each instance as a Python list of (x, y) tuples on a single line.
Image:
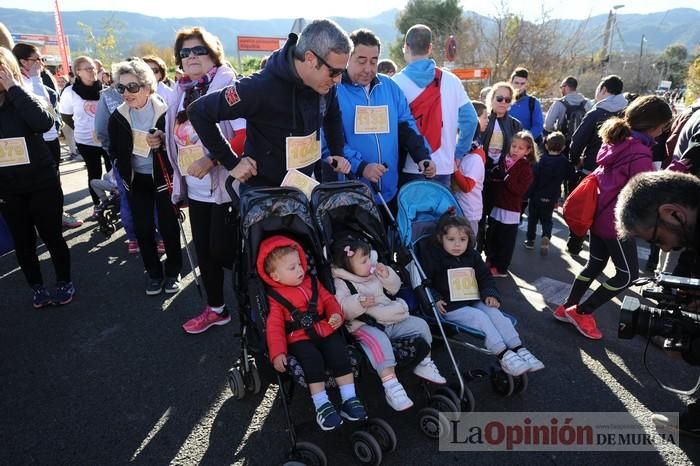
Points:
[(87, 68), (654, 241), (41, 59), (133, 87), (198, 50), (501, 98), (333, 72)]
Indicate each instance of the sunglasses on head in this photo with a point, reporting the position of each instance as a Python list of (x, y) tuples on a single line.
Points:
[(501, 98), (132, 87), (198, 50), (333, 72)]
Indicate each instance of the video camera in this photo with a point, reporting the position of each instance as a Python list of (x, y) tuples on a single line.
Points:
[(671, 319)]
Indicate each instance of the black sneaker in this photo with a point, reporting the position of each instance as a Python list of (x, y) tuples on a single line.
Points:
[(172, 285), (327, 417), (63, 294), (529, 244), (154, 287), (41, 297), (353, 410)]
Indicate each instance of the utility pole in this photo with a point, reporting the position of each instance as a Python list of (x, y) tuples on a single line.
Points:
[(610, 33), (639, 69)]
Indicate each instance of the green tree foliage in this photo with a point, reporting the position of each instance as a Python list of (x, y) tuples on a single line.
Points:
[(104, 44), (693, 82), (673, 63)]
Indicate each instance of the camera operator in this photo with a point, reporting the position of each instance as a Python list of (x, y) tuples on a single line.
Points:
[(662, 208)]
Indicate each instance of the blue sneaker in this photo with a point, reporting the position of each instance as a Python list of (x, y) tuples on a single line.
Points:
[(41, 297), (63, 294), (353, 410), (327, 417)]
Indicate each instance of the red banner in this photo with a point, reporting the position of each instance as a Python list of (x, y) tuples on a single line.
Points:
[(61, 39)]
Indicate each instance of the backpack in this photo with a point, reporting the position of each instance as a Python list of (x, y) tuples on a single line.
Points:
[(427, 111), (573, 118), (581, 205)]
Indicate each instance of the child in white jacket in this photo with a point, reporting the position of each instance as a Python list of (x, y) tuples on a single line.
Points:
[(374, 319)]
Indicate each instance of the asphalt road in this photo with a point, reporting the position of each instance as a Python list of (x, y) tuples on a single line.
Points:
[(112, 379)]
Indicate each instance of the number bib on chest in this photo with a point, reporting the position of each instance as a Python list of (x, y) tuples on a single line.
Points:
[(463, 284), (371, 120), (186, 155), (302, 151)]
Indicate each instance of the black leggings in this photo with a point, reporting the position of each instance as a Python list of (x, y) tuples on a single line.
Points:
[(500, 241), (143, 198), (215, 243), (93, 157), (40, 211), (624, 256), (328, 352)]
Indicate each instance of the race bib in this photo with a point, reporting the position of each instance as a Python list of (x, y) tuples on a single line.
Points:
[(141, 147), (371, 120), (13, 151), (463, 284), (302, 151), (297, 179), (186, 155)]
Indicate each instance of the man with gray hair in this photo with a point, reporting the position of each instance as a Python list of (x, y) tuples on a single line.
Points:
[(442, 109), (286, 106)]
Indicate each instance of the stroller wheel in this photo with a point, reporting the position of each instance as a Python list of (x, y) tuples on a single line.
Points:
[(502, 383), (252, 379), (520, 384), (449, 393), (366, 448), (433, 423), (309, 454), (235, 383), (443, 403), (383, 433)]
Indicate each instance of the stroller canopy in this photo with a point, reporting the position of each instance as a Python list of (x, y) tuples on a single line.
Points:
[(420, 205)]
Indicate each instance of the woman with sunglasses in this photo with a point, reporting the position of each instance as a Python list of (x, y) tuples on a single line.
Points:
[(626, 151), (145, 171), (30, 193), (201, 57), (78, 106), (160, 71)]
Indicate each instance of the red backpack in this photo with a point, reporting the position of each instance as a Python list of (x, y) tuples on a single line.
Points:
[(427, 111), (581, 205)]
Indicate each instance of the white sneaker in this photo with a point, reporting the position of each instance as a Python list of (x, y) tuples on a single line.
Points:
[(397, 398), (427, 370), (533, 363), (513, 364)]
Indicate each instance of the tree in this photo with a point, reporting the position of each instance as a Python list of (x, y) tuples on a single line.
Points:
[(149, 48), (673, 63), (104, 45), (693, 83)]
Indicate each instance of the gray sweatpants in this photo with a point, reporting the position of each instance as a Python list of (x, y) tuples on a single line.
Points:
[(377, 343), (499, 330)]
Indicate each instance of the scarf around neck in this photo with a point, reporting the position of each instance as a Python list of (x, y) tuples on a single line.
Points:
[(194, 90), (87, 92)]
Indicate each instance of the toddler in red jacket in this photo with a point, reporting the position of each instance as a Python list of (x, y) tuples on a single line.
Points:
[(302, 321)]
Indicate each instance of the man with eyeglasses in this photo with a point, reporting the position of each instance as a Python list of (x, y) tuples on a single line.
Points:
[(288, 106), (662, 208), (377, 120)]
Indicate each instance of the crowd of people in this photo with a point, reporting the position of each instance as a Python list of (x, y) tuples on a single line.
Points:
[(165, 145)]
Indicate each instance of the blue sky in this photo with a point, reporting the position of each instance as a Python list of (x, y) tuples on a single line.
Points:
[(247, 9)]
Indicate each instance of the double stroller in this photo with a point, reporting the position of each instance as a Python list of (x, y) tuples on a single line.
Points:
[(108, 215), (265, 212), (420, 206)]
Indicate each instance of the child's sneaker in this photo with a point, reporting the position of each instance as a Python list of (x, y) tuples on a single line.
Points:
[(161, 247), (41, 297), (544, 246), (133, 247), (397, 397), (533, 363), (154, 286), (205, 320), (353, 410), (560, 313), (172, 285), (529, 244), (428, 371), (584, 323), (63, 294), (513, 364), (327, 417)]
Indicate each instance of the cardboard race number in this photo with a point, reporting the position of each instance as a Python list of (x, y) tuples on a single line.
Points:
[(463, 284), (302, 151), (297, 179), (13, 151)]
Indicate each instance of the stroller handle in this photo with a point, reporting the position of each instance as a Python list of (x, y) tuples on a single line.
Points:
[(235, 198)]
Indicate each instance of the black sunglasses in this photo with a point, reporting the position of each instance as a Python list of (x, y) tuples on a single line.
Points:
[(333, 72), (132, 87), (654, 241), (500, 98), (198, 50)]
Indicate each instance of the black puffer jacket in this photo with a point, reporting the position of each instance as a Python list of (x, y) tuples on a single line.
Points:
[(23, 116)]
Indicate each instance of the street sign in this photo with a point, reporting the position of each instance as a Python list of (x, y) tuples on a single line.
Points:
[(466, 74), (260, 44)]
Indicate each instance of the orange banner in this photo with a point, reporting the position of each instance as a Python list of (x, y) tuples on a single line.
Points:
[(61, 39), (260, 44), (472, 73)]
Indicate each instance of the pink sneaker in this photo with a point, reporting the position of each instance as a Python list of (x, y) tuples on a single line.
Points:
[(205, 320), (161, 247), (133, 247), (584, 323), (560, 313)]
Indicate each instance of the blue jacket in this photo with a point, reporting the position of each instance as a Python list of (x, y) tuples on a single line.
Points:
[(276, 104), (363, 149), (520, 110), (550, 172)]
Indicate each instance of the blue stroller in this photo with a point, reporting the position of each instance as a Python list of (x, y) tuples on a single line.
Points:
[(420, 205)]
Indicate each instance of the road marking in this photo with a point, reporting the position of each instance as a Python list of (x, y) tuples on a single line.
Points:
[(156, 428)]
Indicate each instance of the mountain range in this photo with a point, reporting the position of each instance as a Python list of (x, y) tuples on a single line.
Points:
[(660, 29)]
